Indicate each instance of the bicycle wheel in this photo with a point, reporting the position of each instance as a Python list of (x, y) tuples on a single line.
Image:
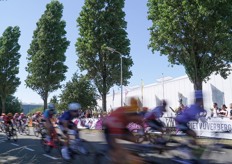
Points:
[(152, 137), (8, 135), (27, 130), (139, 138), (47, 148), (14, 135), (36, 131)]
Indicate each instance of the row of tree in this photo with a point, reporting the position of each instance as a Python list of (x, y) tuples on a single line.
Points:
[(195, 34)]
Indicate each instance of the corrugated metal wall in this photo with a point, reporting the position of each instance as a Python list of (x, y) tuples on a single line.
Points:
[(216, 89)]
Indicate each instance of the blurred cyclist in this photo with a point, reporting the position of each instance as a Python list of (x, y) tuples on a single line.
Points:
[(191, 114), (152, 118), (116, 128), (8, 121), (22, 119), (47, 116), (68, 127)]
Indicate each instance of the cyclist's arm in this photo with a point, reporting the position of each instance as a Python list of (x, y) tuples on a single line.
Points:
[(65, 124), (48, 122)]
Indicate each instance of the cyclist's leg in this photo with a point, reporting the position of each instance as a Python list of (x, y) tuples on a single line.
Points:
[(64, 150)]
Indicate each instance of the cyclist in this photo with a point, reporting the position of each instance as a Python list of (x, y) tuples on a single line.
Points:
[(8, 121), (16, 119), (2, 116), (47, 117), (191, 114), (22, 119), (36, 118), (68, 127), (152, 118), (115, 126)]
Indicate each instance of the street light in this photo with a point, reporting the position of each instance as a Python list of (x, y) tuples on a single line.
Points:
[(113, 50)]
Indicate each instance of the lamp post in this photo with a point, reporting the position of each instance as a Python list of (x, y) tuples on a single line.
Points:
[(121, 78)]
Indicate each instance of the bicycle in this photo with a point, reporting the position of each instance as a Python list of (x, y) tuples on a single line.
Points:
[(36, 128), (11, 133), (137, 153), (204, 152), (2, 127), (56, 141), (25, 129)]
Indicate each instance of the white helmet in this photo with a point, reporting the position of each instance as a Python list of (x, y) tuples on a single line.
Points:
[(74, 106)]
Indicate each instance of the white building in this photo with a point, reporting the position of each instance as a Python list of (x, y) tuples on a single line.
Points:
[(217, 90)]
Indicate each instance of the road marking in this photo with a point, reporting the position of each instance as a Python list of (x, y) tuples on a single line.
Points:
[(29, 149), (50, 156), (14, 144)]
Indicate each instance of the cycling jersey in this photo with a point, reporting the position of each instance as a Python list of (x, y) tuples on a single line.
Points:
[(154, 114), (35, 117), (190, 114), (66, 116), (117, 121), (7, 120), (47, 114)]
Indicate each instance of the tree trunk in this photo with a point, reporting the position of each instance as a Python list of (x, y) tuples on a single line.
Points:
[(45, 100), (197, 84), (3, 104), (104, 102)]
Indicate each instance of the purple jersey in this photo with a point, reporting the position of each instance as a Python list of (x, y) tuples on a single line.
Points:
[(154, 114), (190, 114)]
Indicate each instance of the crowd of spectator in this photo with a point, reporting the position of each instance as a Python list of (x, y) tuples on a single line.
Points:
[(221, 112)]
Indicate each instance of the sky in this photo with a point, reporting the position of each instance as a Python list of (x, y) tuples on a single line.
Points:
[(148, 67)]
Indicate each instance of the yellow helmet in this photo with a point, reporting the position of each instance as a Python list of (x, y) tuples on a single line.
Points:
[(133, 105), (9, 114)]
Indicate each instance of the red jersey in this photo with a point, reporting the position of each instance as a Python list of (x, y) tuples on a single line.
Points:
[(117, 121), (8, 119)]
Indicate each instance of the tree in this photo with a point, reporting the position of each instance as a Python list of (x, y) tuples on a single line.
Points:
[(80, 90), (9, 63), (195, 34), (13, 105), (54, 100), (46, 55), (102, 24)]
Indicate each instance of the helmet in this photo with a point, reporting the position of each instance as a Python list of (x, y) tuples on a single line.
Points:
[(74, 106), (21, 113), (51, 106), (164, 103), (9, 114), (133, 105), (16, 114)]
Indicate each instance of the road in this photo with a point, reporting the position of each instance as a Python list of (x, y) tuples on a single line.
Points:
[(28, 150)]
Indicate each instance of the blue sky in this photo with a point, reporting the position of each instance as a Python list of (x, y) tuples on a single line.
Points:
[(25, 14)]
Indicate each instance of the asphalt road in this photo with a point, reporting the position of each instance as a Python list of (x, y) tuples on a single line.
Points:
[(28, 150)]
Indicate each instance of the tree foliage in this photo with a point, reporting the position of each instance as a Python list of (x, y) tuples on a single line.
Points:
[(102, 24), (13, 105), (46, 55), (9, 63), (195, 34), (80, 90)]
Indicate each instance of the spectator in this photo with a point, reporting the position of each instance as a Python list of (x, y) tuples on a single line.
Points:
[(223, 112), (181, 107), (215, 110), (231, 111)]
